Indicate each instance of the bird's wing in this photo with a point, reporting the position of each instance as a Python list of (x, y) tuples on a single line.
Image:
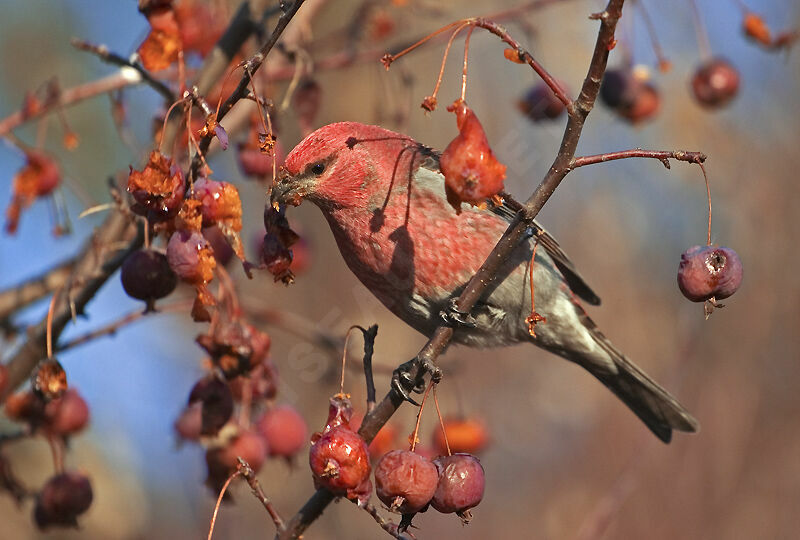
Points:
[(574, 279)]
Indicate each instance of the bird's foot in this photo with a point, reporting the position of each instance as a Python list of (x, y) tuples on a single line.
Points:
[(404, 382), (452, 316)]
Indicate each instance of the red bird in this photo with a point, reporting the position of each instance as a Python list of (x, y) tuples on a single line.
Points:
[(383, 196)]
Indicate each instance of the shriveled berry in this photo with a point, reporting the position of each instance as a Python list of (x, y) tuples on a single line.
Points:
[(189, 423), (284, 429), (146, 275), (63, 498), (707, 271), (540, 103), (339, 460), (189, 254), (405, 481), (463, 435), (715, 83), (217, 402), (461, 483), (262, 381), (223, 252), (67, 415), (220, 200), (49, 381)]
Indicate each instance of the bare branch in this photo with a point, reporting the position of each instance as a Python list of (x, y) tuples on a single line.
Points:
[(662, 155), (244, 469), (19, 296)]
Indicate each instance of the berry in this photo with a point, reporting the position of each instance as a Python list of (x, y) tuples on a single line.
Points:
[(284, 429), (339, 457), (220, 200), (405, 481), (628, 93), (222, 461), (715, 83), (217, 403), (67, 415), (257, 164), (62, 499), (339, 460), (263, 381), (463, 435), (471, 171), (223, 252), (707, 272), (146, 275), (461, 483), (158, 189), (190, 257), (24, 407), (189, 423), (540, 103)]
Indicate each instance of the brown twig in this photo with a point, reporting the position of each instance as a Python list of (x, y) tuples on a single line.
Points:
[(578, 112), (35, 288), (102, 52), (244, 469), (114, 326), (222, 491), (662, 155), (386, 525)]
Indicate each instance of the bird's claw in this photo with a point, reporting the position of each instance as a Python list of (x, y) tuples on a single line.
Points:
[(452, 316), (403, 384)]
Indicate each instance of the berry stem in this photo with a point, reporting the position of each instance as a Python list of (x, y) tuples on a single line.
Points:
[(389, 58), (419, 416), (344, 354), (708, 193), (464, 69), (663, 63), (441, 421), (230, 479), (444, 60), (703, 43), (50, 311)]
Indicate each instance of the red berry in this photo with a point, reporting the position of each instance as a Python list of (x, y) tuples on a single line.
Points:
[(339, 460), (222, 461), (62, 499), (461, 483), (24, 407), (284, 429), (146, 275), (217, 403), (471, 171), (629, 94), (263, 381), (68, 414), (405, 474), (715, 83), (257, 164), (463, 435), (540, 103), (707, 271)]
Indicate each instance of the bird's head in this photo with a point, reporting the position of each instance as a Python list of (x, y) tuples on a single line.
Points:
[(344, 165)]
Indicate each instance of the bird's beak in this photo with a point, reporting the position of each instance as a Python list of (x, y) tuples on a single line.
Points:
[(289, 189)]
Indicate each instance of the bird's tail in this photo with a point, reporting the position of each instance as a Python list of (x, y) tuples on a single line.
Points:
[(659, 410)]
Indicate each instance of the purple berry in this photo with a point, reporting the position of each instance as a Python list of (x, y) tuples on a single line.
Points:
[(62, 499), (146, 275), (408, 475), (184, 254), (215, 395), (461, 483), (708, 271), (540, 103)]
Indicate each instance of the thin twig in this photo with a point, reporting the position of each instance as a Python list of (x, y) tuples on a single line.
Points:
[(247, 472), (369, 348), (227, 483), (662, 155), (386, 525), (102, 52)]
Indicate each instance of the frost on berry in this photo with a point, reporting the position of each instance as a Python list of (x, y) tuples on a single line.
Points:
[(284, 429), (275, 253), (471, 171), (38, 177), (628, 92), (158, 189), (715, 83), (541, 103), (235, 347), (161, 46), (339, 458), (217, 403), (49, 381), (707, 272), (62, 499), (467, 435), (146, 275), (405, 481), (461, 484)]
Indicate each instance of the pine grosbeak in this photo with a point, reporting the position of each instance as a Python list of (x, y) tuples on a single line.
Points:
[(383, 196)]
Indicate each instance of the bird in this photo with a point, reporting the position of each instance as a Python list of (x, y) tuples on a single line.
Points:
[(383, 196)]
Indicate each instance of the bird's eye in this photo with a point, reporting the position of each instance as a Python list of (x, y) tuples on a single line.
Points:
[(318, 168)]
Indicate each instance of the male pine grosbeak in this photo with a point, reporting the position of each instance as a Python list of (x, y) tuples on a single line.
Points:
[(383, 196)]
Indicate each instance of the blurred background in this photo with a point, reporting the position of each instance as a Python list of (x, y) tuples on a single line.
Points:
[(565, 459)]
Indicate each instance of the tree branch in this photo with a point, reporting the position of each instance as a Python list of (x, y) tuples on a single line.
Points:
[(662, 155), (578, 111), (19, 296)]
